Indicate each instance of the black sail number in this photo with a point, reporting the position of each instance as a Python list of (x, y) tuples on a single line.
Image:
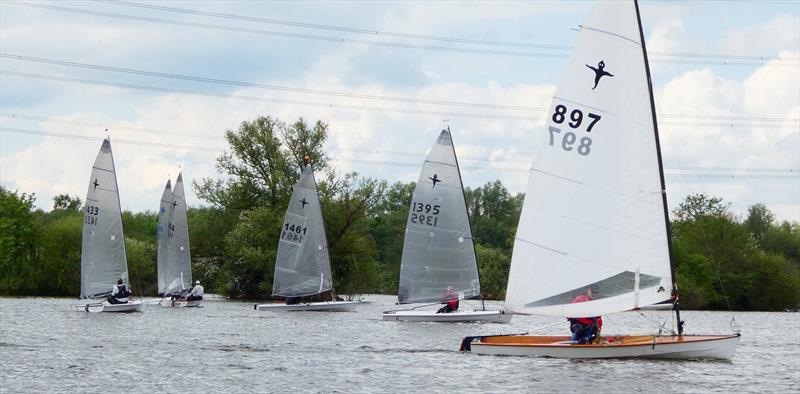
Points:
[(569, 141), (293, 232), (90, 215), (425, 214)]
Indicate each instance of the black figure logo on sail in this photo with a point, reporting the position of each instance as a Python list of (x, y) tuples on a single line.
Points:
[(599, 72), (96, 184), (174, 204), (435, 179), (304, 202)]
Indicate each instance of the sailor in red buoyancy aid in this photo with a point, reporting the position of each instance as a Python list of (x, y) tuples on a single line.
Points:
[(585, 329), (450, 299)]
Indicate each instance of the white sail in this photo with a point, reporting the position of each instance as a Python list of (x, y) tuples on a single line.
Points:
[(180, 262), (103, 259), (164, 212), (302, 265), (594, 215), (438, 251)]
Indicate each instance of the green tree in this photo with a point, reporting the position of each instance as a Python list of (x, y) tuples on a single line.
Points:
[(759, 219), (699, 205), (18, 240), (64, 201)]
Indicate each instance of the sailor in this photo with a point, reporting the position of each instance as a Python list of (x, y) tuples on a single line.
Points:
[(450, 299), (197, 292), (119, 293), (585, 329)]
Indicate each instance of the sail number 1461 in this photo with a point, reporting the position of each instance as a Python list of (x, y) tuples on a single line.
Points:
[(569, 139), (293, 233)]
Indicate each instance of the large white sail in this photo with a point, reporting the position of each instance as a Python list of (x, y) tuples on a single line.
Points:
[(438, 250), (103, 259), (178, 267), (594, 216), (164, 212), (302, 266)]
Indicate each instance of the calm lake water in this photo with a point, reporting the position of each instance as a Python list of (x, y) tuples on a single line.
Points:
[(226, 346)]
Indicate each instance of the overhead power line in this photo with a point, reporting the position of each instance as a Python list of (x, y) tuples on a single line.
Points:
[(726, 120), (710, 172), (265, 86), (372, 32), (732, 62)]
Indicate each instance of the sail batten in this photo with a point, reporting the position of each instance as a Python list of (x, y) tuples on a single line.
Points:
[(438, 250), (592, 219)]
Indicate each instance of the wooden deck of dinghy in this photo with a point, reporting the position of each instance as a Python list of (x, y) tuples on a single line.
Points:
[(622, 346)]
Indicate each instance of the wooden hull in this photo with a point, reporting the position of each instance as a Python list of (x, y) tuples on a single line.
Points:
[(328, 306), (131, 306), (453, 317), (641, 346)]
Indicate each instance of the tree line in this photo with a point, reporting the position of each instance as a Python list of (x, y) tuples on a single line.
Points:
[(722, 261)]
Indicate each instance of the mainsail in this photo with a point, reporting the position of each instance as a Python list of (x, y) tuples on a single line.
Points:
[(164, 212), (302, 266), (103, 259), (176, 267), (438, 251), (594, 214)]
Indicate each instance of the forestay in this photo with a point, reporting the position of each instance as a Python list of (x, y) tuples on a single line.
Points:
[(438, 251), (178, 266), (302, 266), (103, 259), (164, 212), (593, 215)]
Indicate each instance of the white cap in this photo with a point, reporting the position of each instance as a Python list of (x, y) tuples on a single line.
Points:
[(197, 283)]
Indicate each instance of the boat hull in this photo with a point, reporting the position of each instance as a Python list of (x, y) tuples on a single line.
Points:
[(131, 306), (328, 306), (452, 317), (168, 303), (641, 346)]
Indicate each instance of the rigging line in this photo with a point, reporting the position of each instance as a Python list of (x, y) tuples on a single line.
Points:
[(373, 33), (263, 99), (327, 38), (385, 109), (265, 86)]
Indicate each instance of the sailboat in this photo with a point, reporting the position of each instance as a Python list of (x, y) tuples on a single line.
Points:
[(302, 265), (595, 214), (103, 259), (174, 257), (438, 251)]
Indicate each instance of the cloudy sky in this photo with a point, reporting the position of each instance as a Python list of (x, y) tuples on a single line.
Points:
[(168, 78)]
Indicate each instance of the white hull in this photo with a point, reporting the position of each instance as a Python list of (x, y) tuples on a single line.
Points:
[(452, 317), (168, 303), (327, 306), (666, 347), (131, 306)]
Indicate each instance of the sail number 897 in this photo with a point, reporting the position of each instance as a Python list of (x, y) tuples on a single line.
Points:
[(569, 140)]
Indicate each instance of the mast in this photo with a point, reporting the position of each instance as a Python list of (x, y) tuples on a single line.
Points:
[(469, 223), (676, 305)]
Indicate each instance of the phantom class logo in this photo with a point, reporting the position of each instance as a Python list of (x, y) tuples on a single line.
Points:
[(435, 179), (304, 202), (599, 72)]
